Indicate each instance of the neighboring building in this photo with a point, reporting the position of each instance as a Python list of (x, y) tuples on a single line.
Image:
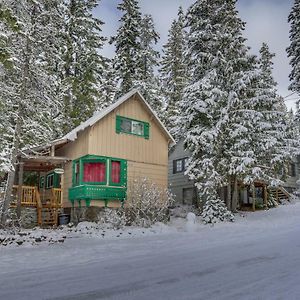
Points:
[(181, 186), (184, 189), (103, 156)]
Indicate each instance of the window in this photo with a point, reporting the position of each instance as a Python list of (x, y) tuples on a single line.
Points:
[(76, 172), (42, 182), (115, 171), (50, 181), (292, 170), (130, 126), (180, 165), (94, 172)]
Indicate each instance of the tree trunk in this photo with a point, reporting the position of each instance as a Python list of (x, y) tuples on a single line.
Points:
[(16, 142), (11, 174), (228, 198), (234, 196)]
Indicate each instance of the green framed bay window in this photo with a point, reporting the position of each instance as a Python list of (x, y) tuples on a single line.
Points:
[(132, 126), (99, 178)]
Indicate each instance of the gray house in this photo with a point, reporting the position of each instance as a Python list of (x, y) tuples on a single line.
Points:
[(183, 188)]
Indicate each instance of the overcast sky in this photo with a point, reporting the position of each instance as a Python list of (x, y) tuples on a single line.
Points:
[(266, 22)]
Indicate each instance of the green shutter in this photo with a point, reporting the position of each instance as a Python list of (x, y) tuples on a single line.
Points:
[(146, 130), (118, 124), (42, 181)]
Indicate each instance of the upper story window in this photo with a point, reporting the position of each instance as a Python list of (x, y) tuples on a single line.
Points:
[(292, 170), (180, 165), (50, 181), (131, 126)]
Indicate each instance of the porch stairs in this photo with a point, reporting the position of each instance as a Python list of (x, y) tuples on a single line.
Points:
[(47, 213), (280, 194)]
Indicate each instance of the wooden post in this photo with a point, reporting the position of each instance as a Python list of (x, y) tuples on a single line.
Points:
[(265, 197), (253, 197), (228, 198), (20, 189), (52, 151)]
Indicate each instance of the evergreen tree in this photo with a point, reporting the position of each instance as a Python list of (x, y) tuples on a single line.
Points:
[(218, 103), (148, 82), (294, 49), (82, 65), (173, 71), (26, 87), (128, 46)]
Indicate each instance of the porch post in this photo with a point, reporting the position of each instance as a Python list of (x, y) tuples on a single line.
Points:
[(20, 189), (265, 197), (253, 197)]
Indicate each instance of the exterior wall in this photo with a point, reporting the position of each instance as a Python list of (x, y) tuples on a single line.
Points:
[(179, 183), (145, 157), (290, 183), (72, 151)]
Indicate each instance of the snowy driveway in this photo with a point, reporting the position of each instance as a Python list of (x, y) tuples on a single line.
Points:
[(256, 258)]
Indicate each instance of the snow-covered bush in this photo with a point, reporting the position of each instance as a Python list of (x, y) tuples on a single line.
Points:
[(114, 218), (148, 203), (214, 210)]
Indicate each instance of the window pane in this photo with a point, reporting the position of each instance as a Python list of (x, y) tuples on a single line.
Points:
[(186, 160), (179, 165), (137, 128), (94, 172), (125, 125), (115, 171)]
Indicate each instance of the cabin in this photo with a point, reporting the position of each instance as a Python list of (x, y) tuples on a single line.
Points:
[(95, 164), (186, 193)]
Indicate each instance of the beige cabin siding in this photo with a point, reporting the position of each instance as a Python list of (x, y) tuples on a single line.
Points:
[(72, 150), (105, 141)]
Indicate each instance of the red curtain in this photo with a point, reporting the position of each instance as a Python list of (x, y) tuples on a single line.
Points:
[(115, 171), (94, 172)]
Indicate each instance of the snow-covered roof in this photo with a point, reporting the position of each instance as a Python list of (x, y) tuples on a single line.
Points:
[(72, 135)]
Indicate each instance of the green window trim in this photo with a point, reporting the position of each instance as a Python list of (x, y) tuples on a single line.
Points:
[(55, 181), (146, 127), (108, 179), (42, 182)]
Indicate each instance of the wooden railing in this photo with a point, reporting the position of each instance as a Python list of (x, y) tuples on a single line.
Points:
[(56, 197), (28, 195)]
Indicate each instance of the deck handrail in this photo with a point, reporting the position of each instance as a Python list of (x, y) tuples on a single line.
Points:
[(29, 195)]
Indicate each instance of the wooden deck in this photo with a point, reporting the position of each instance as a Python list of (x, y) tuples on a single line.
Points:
[(47, 211)]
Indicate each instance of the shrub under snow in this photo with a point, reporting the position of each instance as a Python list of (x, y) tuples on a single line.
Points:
[(148, 203), (215, 211)]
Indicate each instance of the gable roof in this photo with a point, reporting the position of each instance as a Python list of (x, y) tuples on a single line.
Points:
[(72, 135)]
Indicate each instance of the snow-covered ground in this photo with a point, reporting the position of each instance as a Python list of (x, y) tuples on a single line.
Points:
[(257, 257)]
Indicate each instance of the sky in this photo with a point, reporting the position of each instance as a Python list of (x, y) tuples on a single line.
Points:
[(266, 21)]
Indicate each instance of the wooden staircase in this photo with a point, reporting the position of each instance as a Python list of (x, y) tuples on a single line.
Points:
[(280, 194), (47, 213)]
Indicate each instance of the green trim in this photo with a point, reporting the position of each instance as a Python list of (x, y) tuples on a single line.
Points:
[(123, 172), (105, 191), (93, 192), (42, 182), (55, 182), (146, 127)]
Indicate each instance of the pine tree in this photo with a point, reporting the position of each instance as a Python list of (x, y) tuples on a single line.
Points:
[(173, 71), (128, 47), (82, 66), (26, 87), (148, 83), (218, 103), (294, 49)]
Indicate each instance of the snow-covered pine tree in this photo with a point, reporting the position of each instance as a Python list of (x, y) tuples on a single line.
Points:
[(26, 87), (148, 82), (173, 70), (128, 47), (273, 148), (219, 115), (294, 49), (83, 65)]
